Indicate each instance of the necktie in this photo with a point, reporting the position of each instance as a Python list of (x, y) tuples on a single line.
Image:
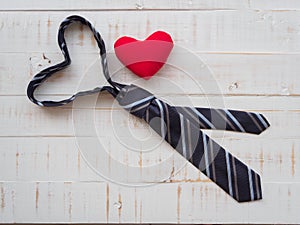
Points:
[(179, 126)]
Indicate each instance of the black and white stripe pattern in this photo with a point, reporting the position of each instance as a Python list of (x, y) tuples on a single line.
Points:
[(179, 126), (220, 119)]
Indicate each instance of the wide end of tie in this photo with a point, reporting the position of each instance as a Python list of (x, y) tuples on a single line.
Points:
[(252, 191)]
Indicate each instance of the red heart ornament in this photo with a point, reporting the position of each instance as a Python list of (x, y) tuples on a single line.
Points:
[(144, 58)]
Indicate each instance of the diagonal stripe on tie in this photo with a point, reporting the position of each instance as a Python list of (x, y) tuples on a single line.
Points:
[(221, 119)]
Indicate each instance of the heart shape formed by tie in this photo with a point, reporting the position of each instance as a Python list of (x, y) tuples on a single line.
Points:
[(144, 58)]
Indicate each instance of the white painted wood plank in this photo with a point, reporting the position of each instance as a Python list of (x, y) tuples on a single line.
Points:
[(21, 118), (149, 5), (59, 159), (229, 31), (235, 74), (100, 202)]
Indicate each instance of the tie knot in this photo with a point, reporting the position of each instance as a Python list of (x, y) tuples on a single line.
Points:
[(135, 99)]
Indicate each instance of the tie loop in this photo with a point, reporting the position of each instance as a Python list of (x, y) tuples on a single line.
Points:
[(39, 78)]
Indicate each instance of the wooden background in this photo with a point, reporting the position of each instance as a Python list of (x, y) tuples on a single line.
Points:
[(252, 48)]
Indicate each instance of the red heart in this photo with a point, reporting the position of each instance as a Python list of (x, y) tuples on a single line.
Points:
[(144, 58)]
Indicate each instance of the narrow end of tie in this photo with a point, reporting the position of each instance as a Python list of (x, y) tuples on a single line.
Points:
[(264, 122)]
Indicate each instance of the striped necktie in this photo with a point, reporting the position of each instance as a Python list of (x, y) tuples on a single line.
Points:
[(181, 128)]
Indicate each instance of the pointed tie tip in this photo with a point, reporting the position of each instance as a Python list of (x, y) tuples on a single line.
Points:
[(265, 122)]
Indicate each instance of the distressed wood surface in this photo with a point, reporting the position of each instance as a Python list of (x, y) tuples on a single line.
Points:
[(94, 5), (252, 50)]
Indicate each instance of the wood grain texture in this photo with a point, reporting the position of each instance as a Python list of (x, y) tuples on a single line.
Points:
[(142, 5), (231, 31), (51, 171)]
